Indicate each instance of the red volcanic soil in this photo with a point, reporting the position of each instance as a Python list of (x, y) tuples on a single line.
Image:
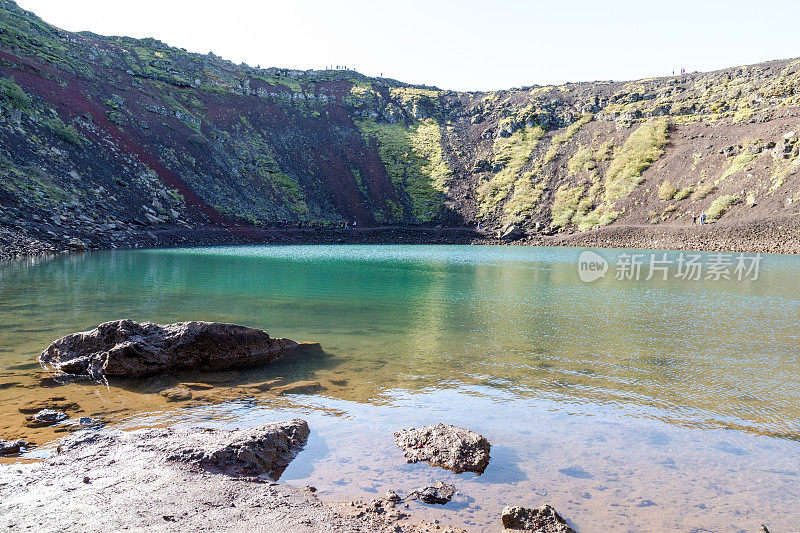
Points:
[(70, 102)]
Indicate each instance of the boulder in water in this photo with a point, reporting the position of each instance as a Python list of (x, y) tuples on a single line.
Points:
[(129, 349), (451, 447), (46, 417)]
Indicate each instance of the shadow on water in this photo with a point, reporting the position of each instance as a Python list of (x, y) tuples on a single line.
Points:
[(503, 466), (299, 367)]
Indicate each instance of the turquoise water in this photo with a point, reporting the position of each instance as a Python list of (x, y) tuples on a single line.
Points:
[(629, 405)]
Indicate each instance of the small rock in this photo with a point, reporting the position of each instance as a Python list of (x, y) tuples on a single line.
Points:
[(46, 417), (451, 447), (544, 520), (392, 496), (11, 447), (438, 492), (76, 243)]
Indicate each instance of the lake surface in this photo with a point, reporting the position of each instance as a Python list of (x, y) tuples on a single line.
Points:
[(629, 405)]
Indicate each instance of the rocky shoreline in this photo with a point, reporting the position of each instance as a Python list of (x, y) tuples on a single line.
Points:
[(180, 480), (773, 235), (201, 479)]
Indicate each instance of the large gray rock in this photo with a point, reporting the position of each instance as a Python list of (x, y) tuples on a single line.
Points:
[(451, 447), (542, 520), (265, 450), (511, 232), (124, 348)]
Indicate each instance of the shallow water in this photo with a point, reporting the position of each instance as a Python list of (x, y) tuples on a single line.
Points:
[(628, 405)]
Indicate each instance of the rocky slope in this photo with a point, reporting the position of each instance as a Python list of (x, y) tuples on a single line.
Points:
[(113, 141)]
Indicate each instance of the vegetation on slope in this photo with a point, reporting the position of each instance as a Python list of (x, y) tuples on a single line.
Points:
[(641, 149), (412, 156), (510, 155), (267, 145)]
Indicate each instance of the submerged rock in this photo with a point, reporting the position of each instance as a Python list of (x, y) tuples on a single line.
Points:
[(543, 520), (58, 403), (299, 387), (129, 349), (177, 394), (438, 492), (451, 447), (11, 447)]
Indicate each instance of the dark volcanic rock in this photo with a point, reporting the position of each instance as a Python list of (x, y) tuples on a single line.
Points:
[(544, 519), (11, 447), (125, 348), (511, 232), (46, 417), (265, 450), (437, 492), (451, 447)]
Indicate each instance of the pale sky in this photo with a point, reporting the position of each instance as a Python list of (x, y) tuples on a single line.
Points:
[(464, 45)]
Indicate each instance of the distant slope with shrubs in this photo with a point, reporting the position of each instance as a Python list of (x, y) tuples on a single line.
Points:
[(102, 134)]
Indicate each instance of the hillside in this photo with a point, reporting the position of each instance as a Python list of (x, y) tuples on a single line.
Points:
[(113, 141)]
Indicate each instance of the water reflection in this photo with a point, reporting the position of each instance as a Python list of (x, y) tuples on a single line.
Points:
[(573, 382)]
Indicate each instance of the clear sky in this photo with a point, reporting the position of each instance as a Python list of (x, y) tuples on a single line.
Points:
[(462, 45)]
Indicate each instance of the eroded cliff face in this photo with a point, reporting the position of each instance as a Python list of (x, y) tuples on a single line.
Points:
[(102, 134)]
